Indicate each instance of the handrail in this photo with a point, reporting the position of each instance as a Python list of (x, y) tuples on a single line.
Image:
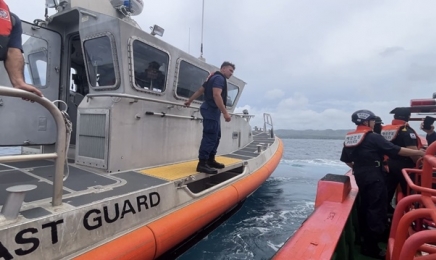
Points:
[(120, 95), (401, 245), (267, 120), (59, 155)]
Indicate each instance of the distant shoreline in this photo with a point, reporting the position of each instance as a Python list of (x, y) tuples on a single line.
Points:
[(312, 134)]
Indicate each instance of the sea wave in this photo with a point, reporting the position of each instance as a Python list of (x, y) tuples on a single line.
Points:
[(323, 162)]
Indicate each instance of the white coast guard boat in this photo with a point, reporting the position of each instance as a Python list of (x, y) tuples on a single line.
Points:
[(129, 189)]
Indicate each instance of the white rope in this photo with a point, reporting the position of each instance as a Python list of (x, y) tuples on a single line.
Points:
[(69, 130)]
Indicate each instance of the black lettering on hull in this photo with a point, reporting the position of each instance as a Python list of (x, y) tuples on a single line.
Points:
[(20, 239)]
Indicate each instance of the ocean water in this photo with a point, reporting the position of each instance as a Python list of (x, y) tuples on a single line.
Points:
[(276, 210)]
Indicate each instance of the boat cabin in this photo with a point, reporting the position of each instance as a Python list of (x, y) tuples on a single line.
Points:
[(124, 89)]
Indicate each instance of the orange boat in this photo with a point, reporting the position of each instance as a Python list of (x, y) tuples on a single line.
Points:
[(332, 231)]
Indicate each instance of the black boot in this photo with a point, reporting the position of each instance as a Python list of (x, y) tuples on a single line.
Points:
[(203, 167), (214, 164)]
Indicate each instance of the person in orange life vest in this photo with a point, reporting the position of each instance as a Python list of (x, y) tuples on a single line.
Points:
[(401, 134), (11, 49), (215, 96), (363, 151)]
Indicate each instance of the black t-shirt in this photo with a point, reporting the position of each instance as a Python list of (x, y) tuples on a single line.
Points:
[(372, 148), (406, 137), (431, 138)]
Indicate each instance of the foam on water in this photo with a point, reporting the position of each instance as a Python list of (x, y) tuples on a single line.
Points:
[(305, 162)]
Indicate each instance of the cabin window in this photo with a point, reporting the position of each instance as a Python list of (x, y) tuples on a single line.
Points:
[(232, 93), (100, 63), (35, 54), (190, 80), (150, 67)]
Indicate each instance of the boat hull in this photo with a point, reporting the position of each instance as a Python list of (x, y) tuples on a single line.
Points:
[(159, 236)]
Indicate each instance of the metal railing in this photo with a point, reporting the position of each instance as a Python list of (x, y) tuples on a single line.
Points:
[(267, 121), (402, 244), (59, 155), (135, 97)]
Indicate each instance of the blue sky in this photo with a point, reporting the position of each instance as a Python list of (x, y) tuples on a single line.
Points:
[(308, 63)]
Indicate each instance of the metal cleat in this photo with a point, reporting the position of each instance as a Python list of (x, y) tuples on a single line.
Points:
[(15, 199)]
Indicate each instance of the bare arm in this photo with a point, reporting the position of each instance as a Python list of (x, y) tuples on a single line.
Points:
[(220, 103), (414, 158), (411, 152), (14, 65), (194, 96)]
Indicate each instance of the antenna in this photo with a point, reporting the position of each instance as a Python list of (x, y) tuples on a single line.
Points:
[(189, 41), (202, 26)]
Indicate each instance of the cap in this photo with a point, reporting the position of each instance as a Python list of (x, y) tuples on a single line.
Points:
[(154, 65), (402, 113)]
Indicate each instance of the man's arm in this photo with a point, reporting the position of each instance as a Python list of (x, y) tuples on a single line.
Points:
[(14, 65), (410, 142), (220, 104), (194, 96), (409, 152), (14, 62)]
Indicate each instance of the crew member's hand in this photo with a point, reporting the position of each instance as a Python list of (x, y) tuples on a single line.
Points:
[(421, 153), (187, 103), (227, 117), (427, 130), (29, 88)]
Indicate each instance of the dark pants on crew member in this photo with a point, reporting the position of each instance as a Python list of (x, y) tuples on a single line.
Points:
[(372, 209), (395, 177), (211, 133)]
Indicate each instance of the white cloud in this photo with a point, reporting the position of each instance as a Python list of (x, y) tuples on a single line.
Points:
[(274, 94), (318, 59), (298, 101)]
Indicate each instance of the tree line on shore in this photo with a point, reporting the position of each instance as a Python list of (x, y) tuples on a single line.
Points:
[(311, 134)]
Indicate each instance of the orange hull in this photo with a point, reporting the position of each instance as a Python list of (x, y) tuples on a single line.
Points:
[(156, 238), (318, 236)]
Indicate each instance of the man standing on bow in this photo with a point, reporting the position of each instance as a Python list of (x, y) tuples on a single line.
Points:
[(11, 49), (215, 96)]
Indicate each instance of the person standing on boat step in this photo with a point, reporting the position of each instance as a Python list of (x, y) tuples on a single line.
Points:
[(11, 49), (215, 96), (363, 151), (400, 133)]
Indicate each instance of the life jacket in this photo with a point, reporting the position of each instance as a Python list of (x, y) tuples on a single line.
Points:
[(6, 25), (210, 81), (355, 138), (390, 132)]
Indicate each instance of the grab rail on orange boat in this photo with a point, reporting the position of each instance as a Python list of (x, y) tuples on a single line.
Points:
[(401, 245)]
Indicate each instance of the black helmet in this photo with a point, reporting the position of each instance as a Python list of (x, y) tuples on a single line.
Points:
[(402, 113), (361, 116)]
